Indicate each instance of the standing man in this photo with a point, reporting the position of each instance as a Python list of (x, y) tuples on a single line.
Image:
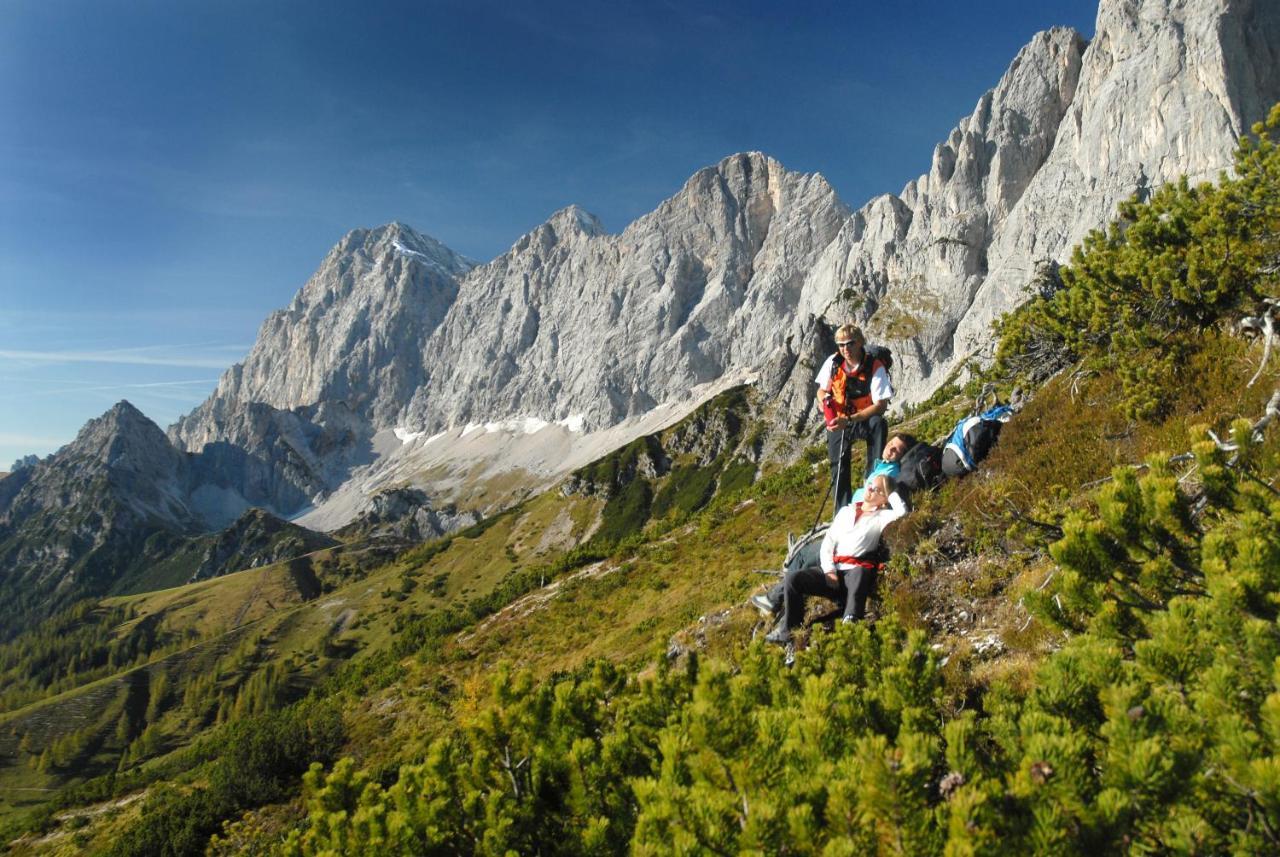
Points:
[(853, 393)]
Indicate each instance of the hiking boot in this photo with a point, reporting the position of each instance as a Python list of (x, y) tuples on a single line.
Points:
[(762, 603), (780, 635)]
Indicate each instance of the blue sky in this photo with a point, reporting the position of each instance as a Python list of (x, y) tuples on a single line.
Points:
[(170, 172)]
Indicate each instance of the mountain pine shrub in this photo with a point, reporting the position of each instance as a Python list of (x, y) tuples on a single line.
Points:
[(1138, 295), (1156, 727)]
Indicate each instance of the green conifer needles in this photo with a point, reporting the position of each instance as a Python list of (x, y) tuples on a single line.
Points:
[(1137, 295), (1155, 728)]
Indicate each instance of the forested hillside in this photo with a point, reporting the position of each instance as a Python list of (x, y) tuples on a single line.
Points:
[(1075, 649)]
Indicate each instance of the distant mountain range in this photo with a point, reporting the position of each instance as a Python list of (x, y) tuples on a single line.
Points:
[(399, 355)]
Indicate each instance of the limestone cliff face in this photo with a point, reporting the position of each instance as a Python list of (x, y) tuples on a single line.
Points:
[(572, 321), (353, 335), (908, 266), (747, 268), (1165, 89)]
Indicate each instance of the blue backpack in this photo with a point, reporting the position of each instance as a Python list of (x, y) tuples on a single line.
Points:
[(973, 447)]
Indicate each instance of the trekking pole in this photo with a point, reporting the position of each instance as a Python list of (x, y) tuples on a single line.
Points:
[(835, 480)]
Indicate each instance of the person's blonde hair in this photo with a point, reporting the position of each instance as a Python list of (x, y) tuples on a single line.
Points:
[(849, 333)]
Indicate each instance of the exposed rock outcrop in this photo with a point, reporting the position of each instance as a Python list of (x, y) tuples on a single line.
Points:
[(747, 268), (406, 514), (257, 538), (572, 321), (1166, 88), (121, 509)]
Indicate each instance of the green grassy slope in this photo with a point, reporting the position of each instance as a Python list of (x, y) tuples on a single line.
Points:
[(680, 586), (580, 670), (205, 644)]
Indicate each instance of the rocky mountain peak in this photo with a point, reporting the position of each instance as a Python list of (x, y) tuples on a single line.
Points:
[(123, 412), (99, 496), (564, 229), (125, 437), (748, 185), (748, 266), (353, 334), (387, 249), (576, 219)]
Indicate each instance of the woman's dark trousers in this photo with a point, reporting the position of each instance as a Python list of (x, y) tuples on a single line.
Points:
[(851, 590)]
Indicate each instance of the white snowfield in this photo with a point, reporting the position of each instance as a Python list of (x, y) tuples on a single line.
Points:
[(451, 464), (746, 268)]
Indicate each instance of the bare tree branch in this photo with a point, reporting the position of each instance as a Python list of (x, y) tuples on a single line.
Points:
[(1264, 325)]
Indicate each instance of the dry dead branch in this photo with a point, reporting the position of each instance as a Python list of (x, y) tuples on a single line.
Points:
[(1262, 325)]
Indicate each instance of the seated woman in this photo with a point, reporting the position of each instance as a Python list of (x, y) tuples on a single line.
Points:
[(809, 549), (847, 570)]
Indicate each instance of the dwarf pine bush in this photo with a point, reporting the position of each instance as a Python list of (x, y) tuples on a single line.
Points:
[(1138, 294), (1156, 727)]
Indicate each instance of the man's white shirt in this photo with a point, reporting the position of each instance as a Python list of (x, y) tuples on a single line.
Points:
[(881, 388)]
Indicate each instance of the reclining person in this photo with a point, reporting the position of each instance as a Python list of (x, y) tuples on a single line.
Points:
[(924, 465), (807, 554), (885, 465), (919, 464), (847, 570)]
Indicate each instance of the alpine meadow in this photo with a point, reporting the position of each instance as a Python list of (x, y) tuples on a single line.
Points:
[(336, 609)]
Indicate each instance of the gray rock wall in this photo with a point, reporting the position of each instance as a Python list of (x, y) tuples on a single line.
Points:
[(572, 321), (749, 266)]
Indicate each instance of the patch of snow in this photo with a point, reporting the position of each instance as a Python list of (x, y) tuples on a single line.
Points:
[(431, 261), (531, 425), (406, 436), (519, 425), (514, 426), (400, 248), (435, 437), (574, 423)]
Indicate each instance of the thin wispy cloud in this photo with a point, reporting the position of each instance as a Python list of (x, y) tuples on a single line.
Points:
[(8, 438), (149, 356), (176, 390)]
